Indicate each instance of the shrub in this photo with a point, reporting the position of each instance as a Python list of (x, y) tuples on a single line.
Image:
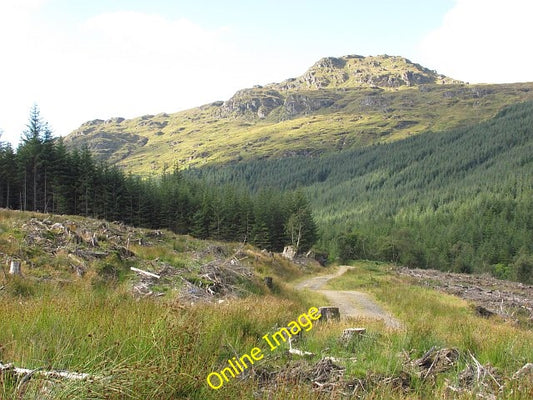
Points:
[(502, 271), (20, 287), (524, 268)]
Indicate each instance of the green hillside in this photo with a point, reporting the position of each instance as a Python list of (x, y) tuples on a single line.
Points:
[(338, 104), (460, 199), (401, 164), (79, 323)]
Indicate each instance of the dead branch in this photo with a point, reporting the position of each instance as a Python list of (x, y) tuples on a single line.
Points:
[(23, 373), (485, 371), (145, 273)]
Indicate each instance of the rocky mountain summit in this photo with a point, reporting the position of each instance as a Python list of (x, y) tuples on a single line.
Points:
[(349, 72), (358, 71)]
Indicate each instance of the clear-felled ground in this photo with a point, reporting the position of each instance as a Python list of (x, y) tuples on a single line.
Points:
[(511, 300)]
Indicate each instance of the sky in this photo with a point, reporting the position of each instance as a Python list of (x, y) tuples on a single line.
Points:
[(80, 60)]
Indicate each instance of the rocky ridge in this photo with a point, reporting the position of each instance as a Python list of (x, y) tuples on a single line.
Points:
[(349, 72)]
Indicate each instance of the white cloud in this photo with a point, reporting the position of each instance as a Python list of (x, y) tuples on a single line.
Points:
[(15, 34), (483, 41), (115, 64), (136, 63)]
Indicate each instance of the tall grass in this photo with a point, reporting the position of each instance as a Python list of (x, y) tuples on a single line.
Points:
[(430, 319), (146, 348), (163, 349)]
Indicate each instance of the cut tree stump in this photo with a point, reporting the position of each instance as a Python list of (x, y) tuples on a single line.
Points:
[(483, 312), (329, 313), (94, 240), (289, 252), (268, 282), (14, 268), (350, 333)]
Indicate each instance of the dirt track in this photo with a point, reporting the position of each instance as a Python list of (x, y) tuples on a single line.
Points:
[(351, 303)]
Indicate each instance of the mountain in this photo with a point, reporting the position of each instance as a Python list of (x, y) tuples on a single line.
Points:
[(339, 103), (458, 200)]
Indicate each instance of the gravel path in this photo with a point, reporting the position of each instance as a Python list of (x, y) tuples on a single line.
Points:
[(351, 303)]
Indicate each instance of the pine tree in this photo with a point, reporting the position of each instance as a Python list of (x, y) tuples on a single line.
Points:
[(56, 171), (48, 160), (8, 175), (261, 235), (84, 184), (30, 155), (202, 219)]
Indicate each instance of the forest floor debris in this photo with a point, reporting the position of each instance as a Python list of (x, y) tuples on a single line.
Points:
[(209, 273), (325, 376), (54, 232), (435, 361), (215, 280), (483, 380), (510, 300)]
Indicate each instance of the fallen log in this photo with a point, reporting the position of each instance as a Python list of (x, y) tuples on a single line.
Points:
[(146, 273), (297, 351), (484, 312), (86, 254), (28, 373)]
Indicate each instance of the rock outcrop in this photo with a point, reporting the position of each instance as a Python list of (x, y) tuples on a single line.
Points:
[(297, 96), (255, 102)]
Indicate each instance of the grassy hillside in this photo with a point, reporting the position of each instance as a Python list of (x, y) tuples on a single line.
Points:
[(78, 306), (136, 344), (459, 199), (338, 104)]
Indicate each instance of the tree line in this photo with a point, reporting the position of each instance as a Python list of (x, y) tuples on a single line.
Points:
[(43, 175), (459, 200)]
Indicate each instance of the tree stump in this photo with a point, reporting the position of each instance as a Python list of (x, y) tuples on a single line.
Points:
[(94, 240), (483, 312), (268, 282), (350, 333), (14, 268), (329, 313), (289, 252)]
